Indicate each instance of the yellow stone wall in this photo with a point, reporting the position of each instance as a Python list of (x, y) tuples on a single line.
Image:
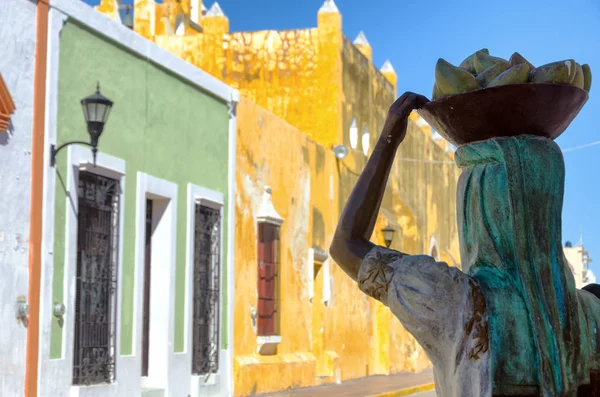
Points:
[(301, 90)]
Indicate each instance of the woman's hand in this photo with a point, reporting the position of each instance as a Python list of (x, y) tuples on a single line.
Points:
[(394, 129)]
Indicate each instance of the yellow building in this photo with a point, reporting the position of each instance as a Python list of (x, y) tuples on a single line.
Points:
[(305, 91)]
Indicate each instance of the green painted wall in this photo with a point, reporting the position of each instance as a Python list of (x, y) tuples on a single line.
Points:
[(160, 126)]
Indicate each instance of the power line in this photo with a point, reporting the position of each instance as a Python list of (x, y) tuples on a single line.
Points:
[(581, 146), (413, 160), (409, 160)]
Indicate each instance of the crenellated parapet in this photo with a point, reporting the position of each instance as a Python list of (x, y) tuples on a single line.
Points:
[(312, 78)]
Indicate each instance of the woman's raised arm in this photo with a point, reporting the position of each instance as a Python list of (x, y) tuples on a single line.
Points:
[(351, 240)]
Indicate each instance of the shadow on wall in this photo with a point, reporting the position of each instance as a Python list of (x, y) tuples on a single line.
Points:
[(6, 135)]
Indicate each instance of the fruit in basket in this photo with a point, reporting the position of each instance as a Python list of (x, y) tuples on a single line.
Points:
[(561, 72), (516, 59), (467, 64), (483, 61), (486, 77), (518, 74), (436, 92), (452, 80), (578, 80), (481, 70), (587, 77)]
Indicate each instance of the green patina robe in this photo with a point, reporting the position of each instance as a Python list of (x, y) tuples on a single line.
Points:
[(514, 323), (510, 198)]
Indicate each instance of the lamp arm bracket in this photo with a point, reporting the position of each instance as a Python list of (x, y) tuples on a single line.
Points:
[(54, 150)]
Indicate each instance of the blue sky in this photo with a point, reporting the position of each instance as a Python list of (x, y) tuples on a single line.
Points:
[(414, 34)]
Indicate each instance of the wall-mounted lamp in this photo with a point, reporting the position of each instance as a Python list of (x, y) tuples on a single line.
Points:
[(388, 235), (340, 151), (96, 109)]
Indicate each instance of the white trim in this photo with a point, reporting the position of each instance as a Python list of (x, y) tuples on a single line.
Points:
[(366, 140), (234, 100), (327, 283), (123, 36), (213, 199), (50, 371), (267, 345), (81, 158), (317, 256), (434, 244), (310, 274), (267, 212), (162, 280), (264, 340)]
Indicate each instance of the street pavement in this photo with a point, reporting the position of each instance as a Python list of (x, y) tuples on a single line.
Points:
[(426, 394), (381, 385)]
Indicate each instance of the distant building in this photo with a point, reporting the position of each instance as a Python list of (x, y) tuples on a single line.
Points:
[(579, 260)]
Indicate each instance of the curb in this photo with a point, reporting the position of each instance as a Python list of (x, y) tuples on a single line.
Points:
[(408, 391)]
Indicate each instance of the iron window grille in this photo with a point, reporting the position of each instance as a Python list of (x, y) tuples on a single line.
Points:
[(96, 280), (207, 264)]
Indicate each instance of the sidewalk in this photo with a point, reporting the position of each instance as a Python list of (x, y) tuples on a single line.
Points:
[(396, 385)]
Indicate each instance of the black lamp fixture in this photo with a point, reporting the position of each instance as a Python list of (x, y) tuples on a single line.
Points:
[(96, 109), (388, 235)]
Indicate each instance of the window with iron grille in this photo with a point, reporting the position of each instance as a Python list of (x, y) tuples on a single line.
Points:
[(207, 264), (96, 280), (147, 278), (268, 285)]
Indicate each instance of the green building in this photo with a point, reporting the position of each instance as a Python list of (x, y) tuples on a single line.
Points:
[(137, 280)]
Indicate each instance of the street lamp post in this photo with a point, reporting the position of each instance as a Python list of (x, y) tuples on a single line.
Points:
[(96, 109)]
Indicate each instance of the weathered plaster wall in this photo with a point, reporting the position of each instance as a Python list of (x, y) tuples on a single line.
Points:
[(346, 337), (274, 153), (17, 30), (267, 66)]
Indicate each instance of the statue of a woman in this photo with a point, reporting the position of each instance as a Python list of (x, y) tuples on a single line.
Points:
[(511, 323)]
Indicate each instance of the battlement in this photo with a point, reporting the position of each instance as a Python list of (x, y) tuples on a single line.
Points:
[(296, 74)]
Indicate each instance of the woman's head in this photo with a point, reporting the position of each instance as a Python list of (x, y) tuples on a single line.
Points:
[(504, 178)]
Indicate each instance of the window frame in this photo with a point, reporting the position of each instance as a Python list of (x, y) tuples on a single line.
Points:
[(275, 246), (80, 159), (111, 296), (216, 200), (218, 208)]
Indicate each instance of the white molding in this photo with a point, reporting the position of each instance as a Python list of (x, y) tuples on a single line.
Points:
[(366, 140), (316, 256), (268, 340), (327, 283), (50, 371), (434, 244), (266, 345), (353, 134), (267, 212), (78, 158), (162, 281), (231, 193), (104, 26), (310, 274)]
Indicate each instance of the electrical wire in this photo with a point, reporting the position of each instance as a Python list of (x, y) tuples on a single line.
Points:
[(581, 146), (412, 160)]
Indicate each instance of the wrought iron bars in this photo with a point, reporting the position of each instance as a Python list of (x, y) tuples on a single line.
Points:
[(96, 282), (207, 263)]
